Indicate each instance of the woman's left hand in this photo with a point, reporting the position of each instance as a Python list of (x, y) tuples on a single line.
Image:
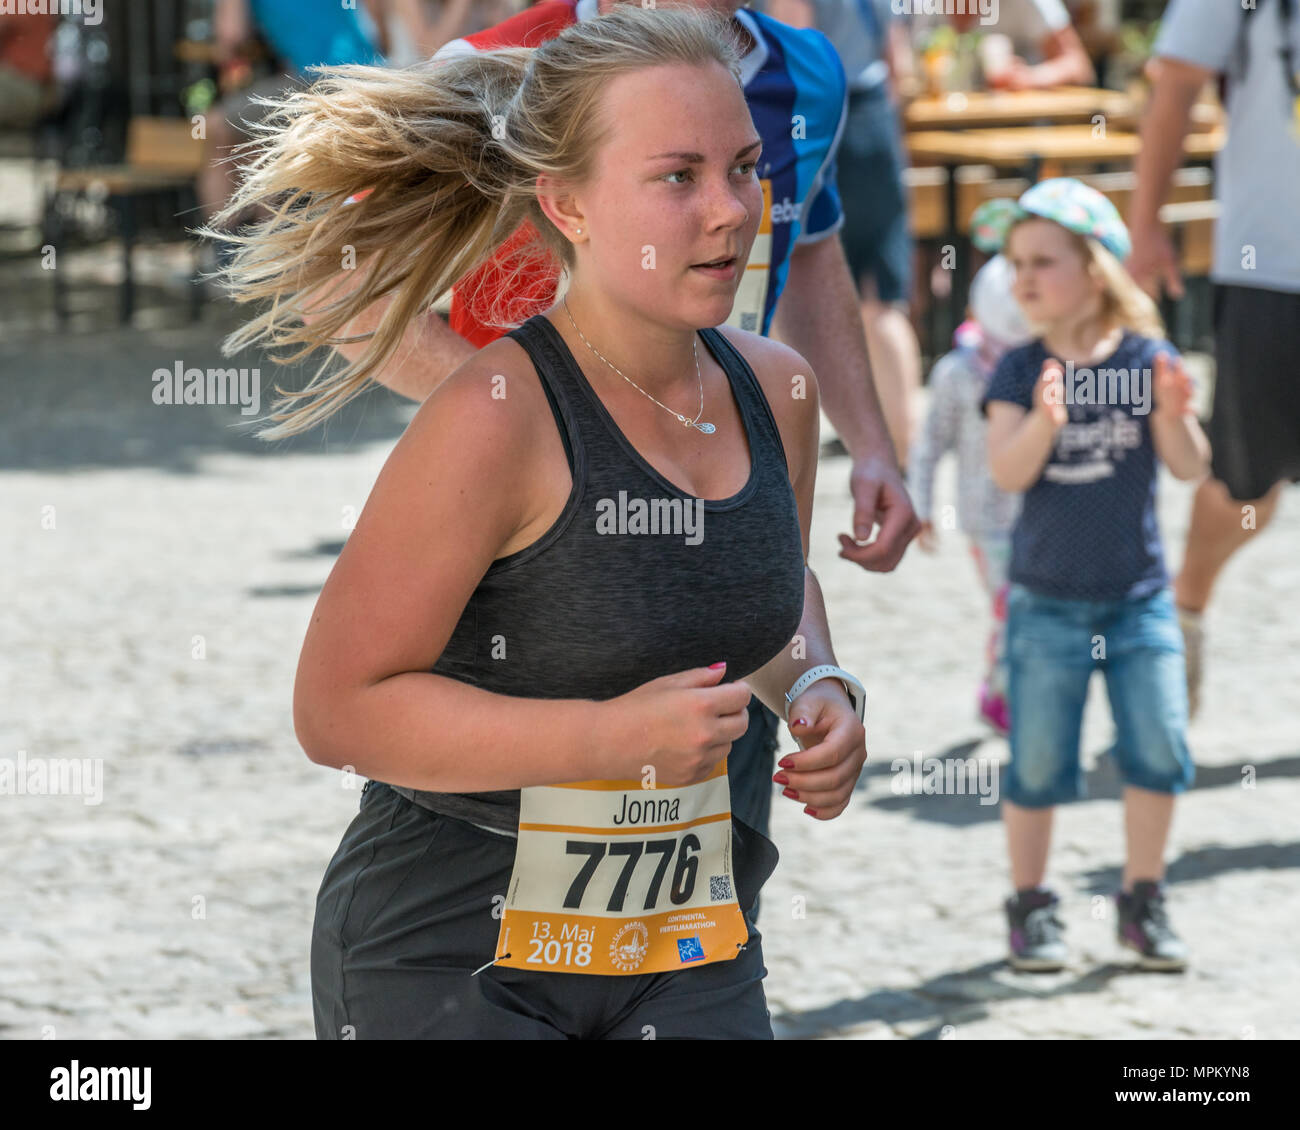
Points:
[(823, 773)]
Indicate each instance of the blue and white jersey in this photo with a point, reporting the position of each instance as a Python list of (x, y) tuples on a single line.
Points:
[(798, 97)]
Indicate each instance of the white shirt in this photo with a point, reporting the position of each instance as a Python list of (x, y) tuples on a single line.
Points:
[(1257, 174)]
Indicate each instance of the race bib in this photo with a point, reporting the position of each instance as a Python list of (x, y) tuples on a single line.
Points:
[(614, 878), (751, 295)]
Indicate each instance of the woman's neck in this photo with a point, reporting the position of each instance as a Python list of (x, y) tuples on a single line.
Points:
[(659, 358)]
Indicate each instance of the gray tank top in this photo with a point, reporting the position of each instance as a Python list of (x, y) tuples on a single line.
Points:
[(635, 579)]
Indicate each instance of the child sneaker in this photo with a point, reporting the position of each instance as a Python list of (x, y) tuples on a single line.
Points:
[(1037, 943), (1144, 926)]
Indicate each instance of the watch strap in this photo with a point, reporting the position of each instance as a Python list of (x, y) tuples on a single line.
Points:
[(856, 692)]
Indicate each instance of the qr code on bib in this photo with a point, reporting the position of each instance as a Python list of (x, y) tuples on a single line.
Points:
[(719, 888)]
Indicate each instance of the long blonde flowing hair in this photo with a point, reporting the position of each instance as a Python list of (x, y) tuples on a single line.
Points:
[(447, 155)]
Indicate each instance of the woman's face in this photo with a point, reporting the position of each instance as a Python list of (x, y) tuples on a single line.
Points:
[(1052, 281), (674, 186)]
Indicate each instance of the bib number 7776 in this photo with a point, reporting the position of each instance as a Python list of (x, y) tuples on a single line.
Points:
[(613, 879), (630, 851)]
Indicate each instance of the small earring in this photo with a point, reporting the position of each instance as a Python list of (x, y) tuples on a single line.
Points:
[(578, 231)]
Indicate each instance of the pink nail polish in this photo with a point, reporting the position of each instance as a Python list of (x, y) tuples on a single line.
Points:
[(791, 794), (781, 779)]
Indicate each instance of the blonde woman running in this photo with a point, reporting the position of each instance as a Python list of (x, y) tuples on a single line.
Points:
[(588, 546)]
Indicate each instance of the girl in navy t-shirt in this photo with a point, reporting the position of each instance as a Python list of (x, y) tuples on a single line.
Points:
[(1077, 421)]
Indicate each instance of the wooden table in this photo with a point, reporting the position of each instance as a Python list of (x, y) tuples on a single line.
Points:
[(204, 51), (1018, 107), (195, 51), (1028, 146)]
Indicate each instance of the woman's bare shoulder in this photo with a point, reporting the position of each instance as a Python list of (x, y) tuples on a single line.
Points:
[(490, 401), (788, 383)]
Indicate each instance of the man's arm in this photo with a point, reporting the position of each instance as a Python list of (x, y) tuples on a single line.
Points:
[(796, 13), (1066, 63), (1164, 127), (231, 26), (378, 12), (901, 60), (818, 316), (429, 352), (429, 35)]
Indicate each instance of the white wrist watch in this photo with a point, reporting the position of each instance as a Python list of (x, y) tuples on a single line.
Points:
[(854, 689)]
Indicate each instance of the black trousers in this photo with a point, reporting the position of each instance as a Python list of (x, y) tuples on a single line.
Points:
[(1254, 430), (409, 909), (750, 766)]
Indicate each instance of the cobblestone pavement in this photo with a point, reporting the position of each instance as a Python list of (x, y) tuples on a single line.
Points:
[(160, 570)]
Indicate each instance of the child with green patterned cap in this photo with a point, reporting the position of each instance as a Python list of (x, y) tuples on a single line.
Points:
[(1079, 420)]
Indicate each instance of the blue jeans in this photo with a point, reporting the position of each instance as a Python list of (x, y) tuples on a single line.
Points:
[(1053, 647)]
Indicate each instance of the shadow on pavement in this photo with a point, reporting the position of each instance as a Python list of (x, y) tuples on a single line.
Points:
[(953, 999), (962, 996), (1206, 863), (959, 804), (80, 402)]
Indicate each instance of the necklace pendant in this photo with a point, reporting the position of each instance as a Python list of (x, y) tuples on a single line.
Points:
[(707, 429)]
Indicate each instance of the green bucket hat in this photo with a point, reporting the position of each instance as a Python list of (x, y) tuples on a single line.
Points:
[(1064, 201)]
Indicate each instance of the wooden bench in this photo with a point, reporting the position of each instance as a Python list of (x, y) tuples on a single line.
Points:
[(927, 191), (978, 183), (1193, 223), (162, 155), (927, 188), (1192, 183)]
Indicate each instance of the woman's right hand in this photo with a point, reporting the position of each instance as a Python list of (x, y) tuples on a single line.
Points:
[(679, 725)]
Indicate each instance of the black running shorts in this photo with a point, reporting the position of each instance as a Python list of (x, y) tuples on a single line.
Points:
[(405, 915), (1255, 427)]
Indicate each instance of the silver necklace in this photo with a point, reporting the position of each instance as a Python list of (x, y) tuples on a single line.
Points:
[(706, 428)]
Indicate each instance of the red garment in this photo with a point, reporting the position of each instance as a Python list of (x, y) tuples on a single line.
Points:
[(25, 44), (533, 281), (522, 277)]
